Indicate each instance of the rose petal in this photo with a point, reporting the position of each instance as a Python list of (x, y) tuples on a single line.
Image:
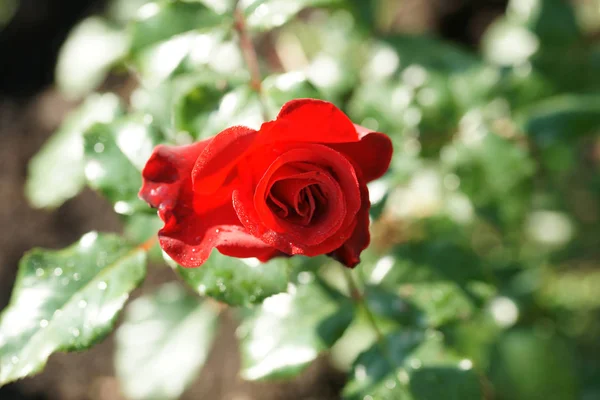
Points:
[(188, 235), (188, 238), (372, 153), (349, 253), (311, 234), (309, 120), (166, 170), (291, 238), (219, 158)]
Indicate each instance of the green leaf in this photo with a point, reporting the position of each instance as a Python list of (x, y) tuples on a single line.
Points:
[(562, 119), (192, 110), (264, 15), (163, 343), (66, 300), (432, 53), (159, 21), (378, 371), (240, 106), (553, 21), (91, 49), (115, 155), (388, 304), (56, 173), (530, 366), (432, 281), (410, 365), (279, 89), (508, 43), (445, 382), (290, 329), (8, 9), (237, 282), (141, 227), (481, 160), (123, 11)]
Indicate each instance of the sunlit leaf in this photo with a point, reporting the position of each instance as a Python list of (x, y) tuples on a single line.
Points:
[(495, 172), (235, 281), (334, 49), (115, 155), (289, 330), (263, 15), (376, 371), (279, 89), (409, 365), (66, 300), (241, 106), (428, 281), (86, 57), (553, 21), (123, 11), (508, 43), (56, 173), (163, 343), (159, 21)]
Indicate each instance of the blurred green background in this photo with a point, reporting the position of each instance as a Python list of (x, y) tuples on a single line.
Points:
[(484, 268)]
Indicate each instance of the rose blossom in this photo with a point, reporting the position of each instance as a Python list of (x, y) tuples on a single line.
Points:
[(296, 186)]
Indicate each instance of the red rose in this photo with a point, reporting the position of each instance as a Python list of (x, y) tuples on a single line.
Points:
[(296, 186)]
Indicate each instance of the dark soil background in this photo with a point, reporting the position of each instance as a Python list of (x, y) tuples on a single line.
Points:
[(30, 110)]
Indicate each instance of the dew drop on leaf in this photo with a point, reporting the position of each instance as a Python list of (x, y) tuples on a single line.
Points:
[(98, 147), (102, 285)]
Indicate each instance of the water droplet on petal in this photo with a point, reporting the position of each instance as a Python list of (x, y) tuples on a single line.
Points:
[(76, 277), (75, 332), (102, 285), (58, 271), (43, 323), (82, 304), (39, 272)]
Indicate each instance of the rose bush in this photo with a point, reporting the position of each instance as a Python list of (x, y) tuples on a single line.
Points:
[(295, 186)]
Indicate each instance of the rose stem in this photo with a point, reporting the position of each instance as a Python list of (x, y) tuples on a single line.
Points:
[(359, 299), (250, 57)]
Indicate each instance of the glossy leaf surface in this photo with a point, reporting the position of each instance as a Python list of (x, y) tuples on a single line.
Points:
[(66, 300)]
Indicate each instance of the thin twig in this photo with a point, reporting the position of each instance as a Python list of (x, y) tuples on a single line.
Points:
[(250, 56), (359, 298)]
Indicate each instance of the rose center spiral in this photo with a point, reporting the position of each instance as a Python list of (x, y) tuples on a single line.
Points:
[(296, 201)]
